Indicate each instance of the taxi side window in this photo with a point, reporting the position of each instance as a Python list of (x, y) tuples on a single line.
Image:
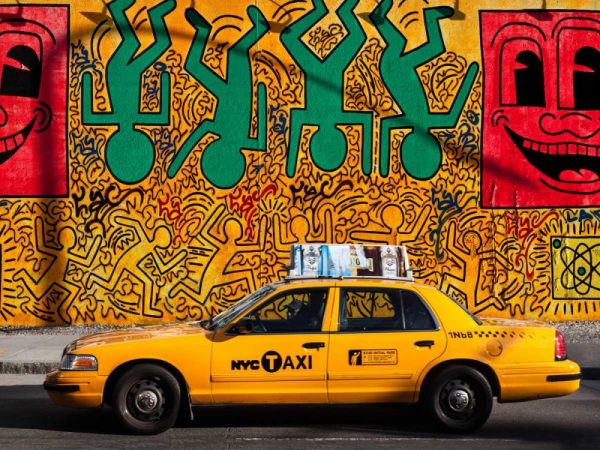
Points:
[(383, 310), (296, 311), (416, 314)]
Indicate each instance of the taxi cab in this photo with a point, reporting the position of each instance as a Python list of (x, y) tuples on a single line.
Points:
[(328, 334)]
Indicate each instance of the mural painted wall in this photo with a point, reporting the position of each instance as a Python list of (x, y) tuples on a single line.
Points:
[(158, 158)]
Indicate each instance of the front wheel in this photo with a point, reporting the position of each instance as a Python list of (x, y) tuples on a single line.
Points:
[(146, 399), (459, 399)]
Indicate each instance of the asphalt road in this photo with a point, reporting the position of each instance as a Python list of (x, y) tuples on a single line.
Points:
[(28, 419)]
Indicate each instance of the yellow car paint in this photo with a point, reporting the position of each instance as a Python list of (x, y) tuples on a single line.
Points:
[(330, 364)]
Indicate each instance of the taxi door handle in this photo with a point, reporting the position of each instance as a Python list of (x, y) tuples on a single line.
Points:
[(313, 345), (424, 343)]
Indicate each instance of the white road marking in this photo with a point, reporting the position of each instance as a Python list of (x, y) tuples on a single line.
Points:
[(351, 439)]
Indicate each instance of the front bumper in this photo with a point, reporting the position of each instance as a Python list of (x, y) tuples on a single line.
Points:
[(519, 382), (79, 389)]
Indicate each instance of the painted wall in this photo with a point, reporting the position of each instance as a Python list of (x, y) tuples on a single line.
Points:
[(157, 159)]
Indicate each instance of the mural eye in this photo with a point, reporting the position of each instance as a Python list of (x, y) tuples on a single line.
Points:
[(529, 80), (586, 79), (24, 80)]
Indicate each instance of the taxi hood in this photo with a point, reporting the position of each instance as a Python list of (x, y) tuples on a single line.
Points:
[(137, 333)]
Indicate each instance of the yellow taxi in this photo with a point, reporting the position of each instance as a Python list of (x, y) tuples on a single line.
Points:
[(330, 339)]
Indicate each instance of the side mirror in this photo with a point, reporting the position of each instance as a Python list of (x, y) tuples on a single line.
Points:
[(244, 326)]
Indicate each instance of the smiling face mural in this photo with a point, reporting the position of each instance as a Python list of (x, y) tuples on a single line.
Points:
[(541, 132), (33, 101)]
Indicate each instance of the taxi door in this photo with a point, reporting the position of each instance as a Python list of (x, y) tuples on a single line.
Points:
[(277, 352), (381, 340)]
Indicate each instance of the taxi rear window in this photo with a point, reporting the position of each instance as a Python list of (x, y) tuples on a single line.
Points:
[(383, 310)]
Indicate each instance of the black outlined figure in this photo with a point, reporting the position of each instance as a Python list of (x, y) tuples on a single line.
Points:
[(487, 276), (132, 261), (222, 234), (393, 227), (55, 274)]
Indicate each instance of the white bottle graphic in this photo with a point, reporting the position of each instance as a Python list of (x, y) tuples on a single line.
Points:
[(389, 261), (310, 261)]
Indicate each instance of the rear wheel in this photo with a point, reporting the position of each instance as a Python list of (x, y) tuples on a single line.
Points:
[(459, 399), (146, 399)]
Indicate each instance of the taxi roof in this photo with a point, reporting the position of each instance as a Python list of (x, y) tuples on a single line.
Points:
[(349, 281)]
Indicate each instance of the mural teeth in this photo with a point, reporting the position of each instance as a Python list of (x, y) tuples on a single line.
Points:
[(535, 146), (552, 149), (581, 149), (526, 143), (572, 149), (10, 144), (19, 139), (562, 149), (543, 148), (2, 146)]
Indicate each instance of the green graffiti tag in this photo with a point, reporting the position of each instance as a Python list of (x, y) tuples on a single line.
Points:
[(324, 92), (420, 152), (234, 104), (129, 152)]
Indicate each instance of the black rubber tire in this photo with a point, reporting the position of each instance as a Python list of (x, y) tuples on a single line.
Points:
[(459, 399), (146, 399)]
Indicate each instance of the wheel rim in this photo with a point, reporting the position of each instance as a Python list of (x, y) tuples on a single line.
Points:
[(146, 400), (458, 400)]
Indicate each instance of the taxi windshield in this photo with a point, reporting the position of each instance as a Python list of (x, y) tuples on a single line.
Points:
[(226, 316)]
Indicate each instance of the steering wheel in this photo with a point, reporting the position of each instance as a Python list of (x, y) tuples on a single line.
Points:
[(257, 324)]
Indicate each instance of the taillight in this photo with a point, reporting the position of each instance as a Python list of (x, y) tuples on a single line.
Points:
[(560, 349)]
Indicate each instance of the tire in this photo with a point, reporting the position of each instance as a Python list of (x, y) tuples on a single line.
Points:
[(459, 399), (146, 399)]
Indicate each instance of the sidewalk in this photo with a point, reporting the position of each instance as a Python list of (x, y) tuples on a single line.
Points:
[(36, 352), (32, 353)]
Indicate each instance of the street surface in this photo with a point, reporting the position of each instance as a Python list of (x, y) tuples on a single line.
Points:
[(28, 419)]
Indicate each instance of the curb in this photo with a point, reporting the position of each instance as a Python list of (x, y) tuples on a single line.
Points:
[(29, 368)]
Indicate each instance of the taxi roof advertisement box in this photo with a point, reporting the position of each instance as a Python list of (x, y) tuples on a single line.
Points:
[(349, 260)]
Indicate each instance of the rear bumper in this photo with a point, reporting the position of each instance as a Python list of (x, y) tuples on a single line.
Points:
[(521, 382), (75, 389), (555, 378)]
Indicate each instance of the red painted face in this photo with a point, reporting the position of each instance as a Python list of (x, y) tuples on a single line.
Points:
[(541, 132), (32, 101)]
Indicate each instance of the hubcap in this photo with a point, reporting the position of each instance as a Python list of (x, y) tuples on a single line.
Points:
[(146, 400), (459, 400)]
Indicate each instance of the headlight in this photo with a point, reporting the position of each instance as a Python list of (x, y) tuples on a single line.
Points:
[(78, 362)]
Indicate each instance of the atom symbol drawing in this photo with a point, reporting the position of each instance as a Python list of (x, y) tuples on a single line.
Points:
[(580, 267)]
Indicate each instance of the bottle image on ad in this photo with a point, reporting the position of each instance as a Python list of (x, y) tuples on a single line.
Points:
[(389, 261)]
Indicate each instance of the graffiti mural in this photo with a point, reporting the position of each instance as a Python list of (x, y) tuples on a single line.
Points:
[(33, 92), (160, 157)]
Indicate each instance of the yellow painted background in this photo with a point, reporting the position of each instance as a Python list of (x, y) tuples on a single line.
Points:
[(180, 248)]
